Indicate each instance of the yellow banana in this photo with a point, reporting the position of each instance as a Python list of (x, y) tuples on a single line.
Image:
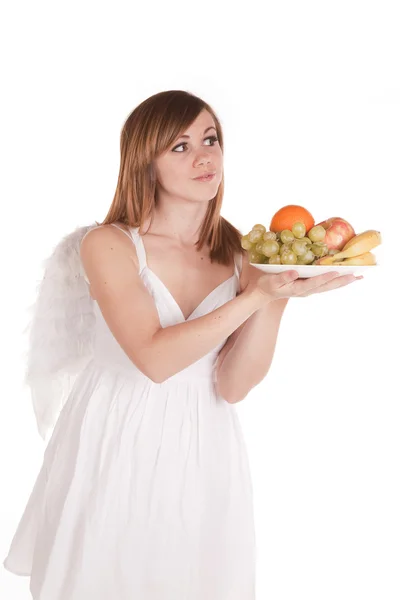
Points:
[(359, 244), (362, 260)]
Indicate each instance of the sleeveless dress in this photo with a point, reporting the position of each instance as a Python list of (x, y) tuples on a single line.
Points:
[(145, 490)]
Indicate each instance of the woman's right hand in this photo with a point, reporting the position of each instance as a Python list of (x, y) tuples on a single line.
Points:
[(271, 286)]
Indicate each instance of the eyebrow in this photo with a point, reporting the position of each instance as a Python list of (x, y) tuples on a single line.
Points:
[(205, 131)]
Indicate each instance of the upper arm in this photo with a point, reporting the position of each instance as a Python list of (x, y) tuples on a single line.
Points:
[(248, 272), (112, 267)]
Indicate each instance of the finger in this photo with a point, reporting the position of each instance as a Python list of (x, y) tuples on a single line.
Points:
[(340, 281), (306, 286), (286, 277)]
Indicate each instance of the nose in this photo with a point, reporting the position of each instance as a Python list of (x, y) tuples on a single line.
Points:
[(203, 159)]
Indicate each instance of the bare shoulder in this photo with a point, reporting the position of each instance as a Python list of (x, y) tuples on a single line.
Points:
[(106, 249), (105, 232), (106, 238)]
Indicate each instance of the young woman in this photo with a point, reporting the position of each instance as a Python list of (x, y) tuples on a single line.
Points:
[(145, 491)]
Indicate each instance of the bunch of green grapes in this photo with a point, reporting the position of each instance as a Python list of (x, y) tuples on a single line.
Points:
[(287, 247)]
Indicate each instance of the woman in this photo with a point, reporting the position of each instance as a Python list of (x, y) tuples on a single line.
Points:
[(145, 490)]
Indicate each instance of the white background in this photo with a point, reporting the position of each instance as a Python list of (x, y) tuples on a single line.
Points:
[(309, 98)]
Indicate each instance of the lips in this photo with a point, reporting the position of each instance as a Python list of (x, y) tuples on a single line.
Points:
[(206, 175)]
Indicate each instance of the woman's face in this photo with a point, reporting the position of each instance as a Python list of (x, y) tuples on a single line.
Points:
[(187, 158)]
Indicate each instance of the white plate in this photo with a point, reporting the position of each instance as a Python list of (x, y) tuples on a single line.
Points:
[(306, 271)]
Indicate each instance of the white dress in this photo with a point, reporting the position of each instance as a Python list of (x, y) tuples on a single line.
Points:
[(145, 490)]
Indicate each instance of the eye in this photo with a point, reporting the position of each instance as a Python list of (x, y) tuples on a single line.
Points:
[(213, 138)]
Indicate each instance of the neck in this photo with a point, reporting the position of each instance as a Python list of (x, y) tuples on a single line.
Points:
[(180, 222)]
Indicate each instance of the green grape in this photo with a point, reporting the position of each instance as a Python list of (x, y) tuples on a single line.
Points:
[(289, 258), (285, 248), (260, 227), (246, 243), (255, 235), (270, 247), (259, 247), (299, 230), (269, 235), (299, 247), (256, 257), (319, 249), (308, 258), (317, 233), (307, 240), (278, 236), (324, 246), (287, 236), (300, 260), (275, 259)]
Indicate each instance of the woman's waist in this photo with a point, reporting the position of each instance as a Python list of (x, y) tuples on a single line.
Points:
[(200, 371)]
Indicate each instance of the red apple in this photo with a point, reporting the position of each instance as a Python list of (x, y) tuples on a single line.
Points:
[(338, 232)]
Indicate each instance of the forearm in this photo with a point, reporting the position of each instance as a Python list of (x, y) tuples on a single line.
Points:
[(248, 361), (176, 347)]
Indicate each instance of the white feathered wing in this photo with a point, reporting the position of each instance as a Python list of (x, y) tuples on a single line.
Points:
[(61, 330)]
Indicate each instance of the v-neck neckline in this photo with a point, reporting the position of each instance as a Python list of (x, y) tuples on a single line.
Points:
[(176, 303), (165, 288)]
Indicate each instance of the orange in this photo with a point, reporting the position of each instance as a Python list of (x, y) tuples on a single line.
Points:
[(287, 216)]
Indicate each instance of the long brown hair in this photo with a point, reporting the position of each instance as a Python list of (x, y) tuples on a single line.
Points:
[(148, 132)]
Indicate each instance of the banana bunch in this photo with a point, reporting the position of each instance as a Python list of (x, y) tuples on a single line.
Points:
[(356, 251)]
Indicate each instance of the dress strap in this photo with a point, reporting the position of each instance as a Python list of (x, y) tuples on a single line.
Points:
[(134, 236), (238, 264), (121, 229), (238, 269), (140, 249)]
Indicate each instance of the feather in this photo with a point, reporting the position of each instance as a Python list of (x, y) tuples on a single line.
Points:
[(61, 330)]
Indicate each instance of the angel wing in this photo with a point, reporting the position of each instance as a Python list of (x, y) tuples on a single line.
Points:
[(61, 330)]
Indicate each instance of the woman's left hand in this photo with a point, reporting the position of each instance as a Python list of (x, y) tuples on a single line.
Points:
[(337, 282)]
